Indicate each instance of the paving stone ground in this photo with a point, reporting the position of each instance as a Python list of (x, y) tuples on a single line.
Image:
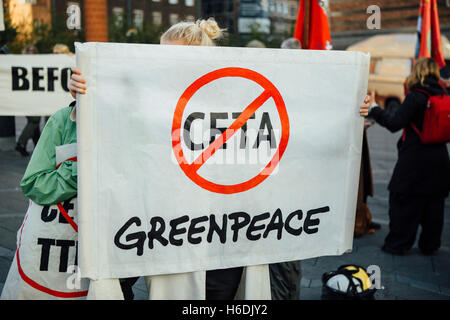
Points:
[(409, 277)]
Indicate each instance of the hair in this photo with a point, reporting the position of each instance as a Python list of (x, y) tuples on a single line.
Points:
[(30, 49), (425, 67), (199, 33), (291, 43), (61, 48)]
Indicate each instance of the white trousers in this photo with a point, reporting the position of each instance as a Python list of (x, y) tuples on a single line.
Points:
[(255, 285)]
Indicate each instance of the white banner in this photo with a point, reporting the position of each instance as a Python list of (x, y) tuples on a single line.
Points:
[(34, 84), (198, 158)]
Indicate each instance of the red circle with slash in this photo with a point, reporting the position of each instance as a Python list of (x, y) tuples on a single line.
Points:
[(191, 169)]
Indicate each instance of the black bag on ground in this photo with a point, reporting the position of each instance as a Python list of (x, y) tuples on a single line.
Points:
[(348, 282)]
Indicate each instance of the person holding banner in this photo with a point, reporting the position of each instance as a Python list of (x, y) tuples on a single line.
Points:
[(249, 282), (220, 284), (46, 254), (421, 178)]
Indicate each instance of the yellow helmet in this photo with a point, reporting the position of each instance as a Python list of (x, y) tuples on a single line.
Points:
[(349, 281)]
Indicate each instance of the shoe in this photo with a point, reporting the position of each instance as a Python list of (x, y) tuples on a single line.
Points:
[(357, 235), (21, 150), (393, 251), (374, 225)]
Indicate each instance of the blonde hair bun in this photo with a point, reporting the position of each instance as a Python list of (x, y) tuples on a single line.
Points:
[(210, 27), (199, 33)]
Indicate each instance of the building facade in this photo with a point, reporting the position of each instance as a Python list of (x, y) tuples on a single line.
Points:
[(132, 13), (239, 17), (275, 18), (283, 15), (348, 19), (24, 13), (137, 13)]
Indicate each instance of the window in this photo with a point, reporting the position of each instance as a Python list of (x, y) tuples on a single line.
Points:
[(189, 3), (138, 18), (117, 16), (173, 1), (293, 10), (271, 6), (156, 0), (265, 5), (157, 18), (279, 7), (173, 18)]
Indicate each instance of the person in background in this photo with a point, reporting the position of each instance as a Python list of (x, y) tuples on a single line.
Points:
[(421, 178), (255, 44), (31, 129), (363, 220), (62, 48), (291, 43)]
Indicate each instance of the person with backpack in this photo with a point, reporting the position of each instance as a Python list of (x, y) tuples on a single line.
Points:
[(421, 178)]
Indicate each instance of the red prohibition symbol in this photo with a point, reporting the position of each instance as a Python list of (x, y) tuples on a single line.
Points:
[(191, 169)]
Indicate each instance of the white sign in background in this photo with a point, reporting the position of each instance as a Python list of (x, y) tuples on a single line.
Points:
[(2, 22), (142, 214), (34, 84)]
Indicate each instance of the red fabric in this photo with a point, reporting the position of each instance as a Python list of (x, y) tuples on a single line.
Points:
[(318, 31), (425, 28), (436, 121), (436, 45), (70, 159), (430, 33), (299, 24)]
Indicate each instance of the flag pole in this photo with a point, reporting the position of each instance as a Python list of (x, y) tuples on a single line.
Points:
[(306, 25)]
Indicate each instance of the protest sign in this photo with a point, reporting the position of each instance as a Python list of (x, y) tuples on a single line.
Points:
[(45, 264), (199, 158), (2, 22), (34, 84)]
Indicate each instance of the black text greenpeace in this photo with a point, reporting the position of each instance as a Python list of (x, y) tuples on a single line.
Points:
[(199, 158), (34, 84)]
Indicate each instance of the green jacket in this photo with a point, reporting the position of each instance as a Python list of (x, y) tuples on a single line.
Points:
[(42, 182)]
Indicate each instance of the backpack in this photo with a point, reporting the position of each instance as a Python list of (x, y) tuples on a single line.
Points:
[(348, 282), (436, 121)]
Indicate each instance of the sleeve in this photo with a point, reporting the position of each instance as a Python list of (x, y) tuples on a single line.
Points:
[(42, 182), (403, 115)]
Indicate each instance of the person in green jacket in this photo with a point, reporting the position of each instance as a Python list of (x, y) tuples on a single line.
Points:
[(50, 182), (42, 182)]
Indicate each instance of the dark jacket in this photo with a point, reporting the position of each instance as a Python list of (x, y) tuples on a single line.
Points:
[(422, 169)]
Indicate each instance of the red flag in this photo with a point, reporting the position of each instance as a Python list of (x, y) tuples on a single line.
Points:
[(311, 27), (429, 33), (300, 25), (436, 45)]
